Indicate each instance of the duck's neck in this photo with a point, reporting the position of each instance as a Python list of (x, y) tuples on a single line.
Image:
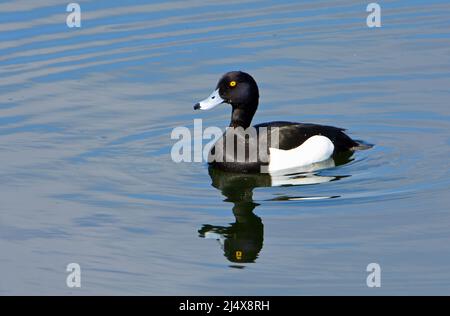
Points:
[(242, 114)]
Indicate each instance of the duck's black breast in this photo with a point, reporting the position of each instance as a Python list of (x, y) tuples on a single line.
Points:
[(290, 135)]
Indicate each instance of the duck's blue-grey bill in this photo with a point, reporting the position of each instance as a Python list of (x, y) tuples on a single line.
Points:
[(210, 102)]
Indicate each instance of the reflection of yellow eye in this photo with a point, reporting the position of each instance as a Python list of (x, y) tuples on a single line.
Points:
[(233, 83)]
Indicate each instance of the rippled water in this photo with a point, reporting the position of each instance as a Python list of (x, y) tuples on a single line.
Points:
[(86, 174)]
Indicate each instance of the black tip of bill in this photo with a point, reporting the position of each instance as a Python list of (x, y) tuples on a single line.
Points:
[(197, 106)]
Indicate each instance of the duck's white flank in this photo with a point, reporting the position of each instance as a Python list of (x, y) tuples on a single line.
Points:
[(315, 149)]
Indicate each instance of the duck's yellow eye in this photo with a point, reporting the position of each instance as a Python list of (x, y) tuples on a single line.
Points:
[(233, 83)]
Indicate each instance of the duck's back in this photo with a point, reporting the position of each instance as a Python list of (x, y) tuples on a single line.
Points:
[(292, 135)]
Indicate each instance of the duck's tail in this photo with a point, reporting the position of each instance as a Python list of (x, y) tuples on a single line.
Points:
[(361, 145)]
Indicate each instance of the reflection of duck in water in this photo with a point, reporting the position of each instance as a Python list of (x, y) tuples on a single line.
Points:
[(242, 240)]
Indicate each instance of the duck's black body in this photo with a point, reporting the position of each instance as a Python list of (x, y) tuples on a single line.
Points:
[(291, 135), (240, 90)]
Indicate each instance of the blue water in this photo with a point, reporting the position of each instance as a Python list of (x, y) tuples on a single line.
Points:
[(87, 177)]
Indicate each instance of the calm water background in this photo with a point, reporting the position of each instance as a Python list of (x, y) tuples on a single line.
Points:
[(85, 168)]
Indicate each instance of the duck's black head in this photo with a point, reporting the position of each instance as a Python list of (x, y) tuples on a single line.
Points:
[(238, 89)]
